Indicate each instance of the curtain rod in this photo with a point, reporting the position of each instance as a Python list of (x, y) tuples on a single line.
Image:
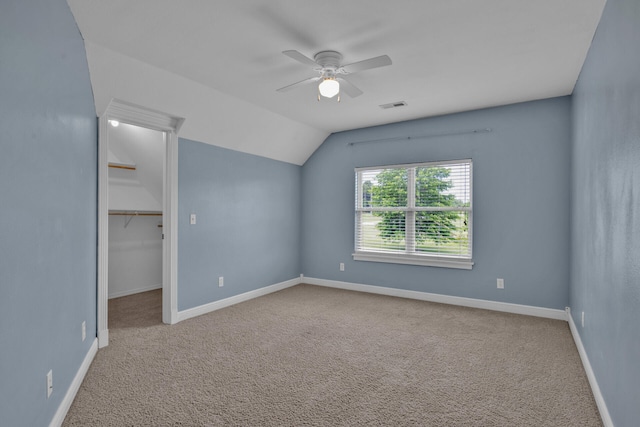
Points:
[(431, 135)]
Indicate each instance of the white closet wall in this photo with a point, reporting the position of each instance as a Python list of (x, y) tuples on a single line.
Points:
[(135, 255)]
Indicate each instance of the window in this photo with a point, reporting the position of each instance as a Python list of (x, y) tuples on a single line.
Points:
[(415, 214)]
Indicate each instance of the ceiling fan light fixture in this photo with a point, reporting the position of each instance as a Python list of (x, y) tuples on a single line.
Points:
[(329, 87)]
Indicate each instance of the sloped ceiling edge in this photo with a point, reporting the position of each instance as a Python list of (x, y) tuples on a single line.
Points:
[(211, 116)]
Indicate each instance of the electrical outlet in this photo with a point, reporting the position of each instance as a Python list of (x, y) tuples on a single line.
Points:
[(84, 330), (49, 383), (220, 281), (342, 266), (582, 320), (500, 283)]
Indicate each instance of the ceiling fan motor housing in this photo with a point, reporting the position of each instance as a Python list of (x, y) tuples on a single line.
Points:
[(328, 59)]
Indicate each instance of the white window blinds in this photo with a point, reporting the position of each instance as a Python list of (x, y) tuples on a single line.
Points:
[(416, 212)]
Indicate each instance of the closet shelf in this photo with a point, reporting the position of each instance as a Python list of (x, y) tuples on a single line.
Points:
[(133, 214), (136, 213)]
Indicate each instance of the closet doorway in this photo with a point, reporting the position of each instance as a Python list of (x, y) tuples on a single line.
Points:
[(136, 167), (137, 207)]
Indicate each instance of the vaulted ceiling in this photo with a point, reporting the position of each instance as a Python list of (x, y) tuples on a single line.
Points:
[(218, 63)]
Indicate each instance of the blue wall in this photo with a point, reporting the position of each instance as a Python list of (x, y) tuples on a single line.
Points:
[(248, 222), (605, 264), (521, 202), (48, 196)]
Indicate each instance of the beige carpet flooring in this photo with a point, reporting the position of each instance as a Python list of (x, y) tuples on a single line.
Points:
[(314, 356)]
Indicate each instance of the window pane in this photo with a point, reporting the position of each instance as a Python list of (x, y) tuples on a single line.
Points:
[(440, 186), (446, 233), (384, 188), (382, 231)]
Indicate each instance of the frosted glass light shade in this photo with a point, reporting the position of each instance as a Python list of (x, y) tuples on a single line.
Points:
[(329, 88)]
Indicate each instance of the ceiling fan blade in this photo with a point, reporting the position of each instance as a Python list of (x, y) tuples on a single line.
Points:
[(347, 87), (294, 54), (300, 83), (367, 64)]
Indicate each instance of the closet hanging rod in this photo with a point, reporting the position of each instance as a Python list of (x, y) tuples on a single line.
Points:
[(122, 166)]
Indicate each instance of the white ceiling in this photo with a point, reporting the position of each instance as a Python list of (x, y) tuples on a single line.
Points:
[(218, 63)]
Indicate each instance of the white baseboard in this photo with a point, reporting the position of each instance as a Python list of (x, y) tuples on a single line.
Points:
[(217, 305), (595, 388), (444, 299), (134, 291), (58, 418)]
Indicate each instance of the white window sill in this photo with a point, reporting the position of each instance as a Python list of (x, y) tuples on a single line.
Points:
[(465, 264)]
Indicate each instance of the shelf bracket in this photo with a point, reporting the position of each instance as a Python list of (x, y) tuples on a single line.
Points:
[(127, 221)]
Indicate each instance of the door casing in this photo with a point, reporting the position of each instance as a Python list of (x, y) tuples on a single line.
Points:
[(126, 112)]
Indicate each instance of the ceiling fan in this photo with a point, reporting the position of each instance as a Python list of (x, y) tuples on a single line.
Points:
[(331, 73)]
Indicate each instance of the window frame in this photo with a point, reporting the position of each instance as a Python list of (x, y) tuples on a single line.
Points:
[(409, 256)]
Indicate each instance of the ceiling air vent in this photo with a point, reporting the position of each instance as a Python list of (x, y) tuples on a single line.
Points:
[(393, 105)]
